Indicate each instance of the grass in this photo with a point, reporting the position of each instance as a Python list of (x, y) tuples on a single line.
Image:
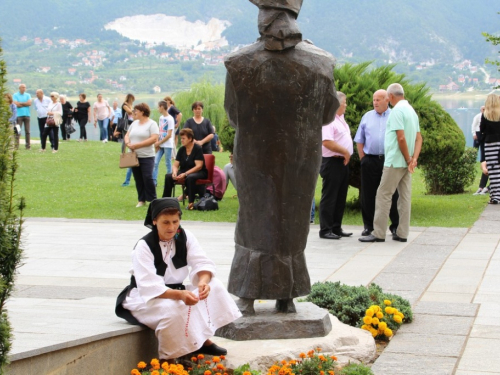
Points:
[(83, 181)]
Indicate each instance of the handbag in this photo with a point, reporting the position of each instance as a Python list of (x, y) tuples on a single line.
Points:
[(122, 125), (128, 159), (50, 121), (70, 129)]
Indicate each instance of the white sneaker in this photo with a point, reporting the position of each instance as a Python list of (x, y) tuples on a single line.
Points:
[(484, 191), (105, 141), (478, 191), (140, 204)]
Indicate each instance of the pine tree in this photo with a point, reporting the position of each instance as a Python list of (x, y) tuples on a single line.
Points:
[(10, 219)]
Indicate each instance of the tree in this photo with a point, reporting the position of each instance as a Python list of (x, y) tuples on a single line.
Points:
[(10, 219), (444, 142), (495, 40)]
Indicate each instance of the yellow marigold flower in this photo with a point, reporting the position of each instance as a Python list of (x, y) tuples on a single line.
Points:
[(397, 319), (165, 366), (135, 372), (389, 310), (302, 355), (154, 361), (374, 332), (369, 312), (387, 302), (208, 372), (141, 365), (216, 359), (364, 326), (388, 332), (375, 321), (382, 325), (367, 320), (380, 315), (201, 356), (156, 366), (375, 308), (322, 358), (401, 314)]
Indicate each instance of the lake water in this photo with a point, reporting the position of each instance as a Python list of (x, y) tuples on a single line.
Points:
[(461, 109)]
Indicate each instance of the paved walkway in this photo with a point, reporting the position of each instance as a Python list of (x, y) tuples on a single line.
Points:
[(73, 270)]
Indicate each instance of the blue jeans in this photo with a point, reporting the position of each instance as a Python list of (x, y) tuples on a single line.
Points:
[(127, 177), (313, 209), (103, 127), (168, 161)]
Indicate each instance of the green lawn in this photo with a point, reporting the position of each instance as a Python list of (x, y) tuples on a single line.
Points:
[(83, 181)]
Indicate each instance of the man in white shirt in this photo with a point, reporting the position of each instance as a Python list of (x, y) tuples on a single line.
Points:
[(42, 103)]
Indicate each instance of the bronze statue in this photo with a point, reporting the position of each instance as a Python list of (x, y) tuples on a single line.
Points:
[(279, 93)]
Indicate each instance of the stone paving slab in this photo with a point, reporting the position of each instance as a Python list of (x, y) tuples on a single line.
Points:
[(481, 355), (410, 364), (426, 344), (446, 309)]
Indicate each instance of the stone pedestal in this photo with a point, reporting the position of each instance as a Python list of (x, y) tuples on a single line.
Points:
[(309, 321)]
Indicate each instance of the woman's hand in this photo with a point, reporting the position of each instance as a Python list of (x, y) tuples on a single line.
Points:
[(189, 298), (131, 146), (95, 124), (203, 290)]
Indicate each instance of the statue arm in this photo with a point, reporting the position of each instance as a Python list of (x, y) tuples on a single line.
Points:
[(231, 102)]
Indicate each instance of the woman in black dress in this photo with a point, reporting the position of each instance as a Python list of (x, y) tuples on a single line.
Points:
[(82, 112), (189, 166), (203, 129), (490, 130), (67, 116)]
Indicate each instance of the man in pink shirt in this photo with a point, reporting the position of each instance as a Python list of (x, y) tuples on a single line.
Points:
[(337, 150)]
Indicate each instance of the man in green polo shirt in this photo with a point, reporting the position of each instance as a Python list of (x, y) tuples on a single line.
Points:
[(403, 143)]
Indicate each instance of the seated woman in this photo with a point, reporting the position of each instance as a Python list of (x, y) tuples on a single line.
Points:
[(188, 167), (184, 317)]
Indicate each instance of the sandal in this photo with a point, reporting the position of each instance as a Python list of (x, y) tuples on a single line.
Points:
[(180, 198), (191, 206)]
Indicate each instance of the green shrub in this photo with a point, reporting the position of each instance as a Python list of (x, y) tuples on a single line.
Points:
[(454, 177), (10, 220), (356, 369), (349, 303)]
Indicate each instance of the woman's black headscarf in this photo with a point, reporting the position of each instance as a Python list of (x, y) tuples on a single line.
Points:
[(157, 206)]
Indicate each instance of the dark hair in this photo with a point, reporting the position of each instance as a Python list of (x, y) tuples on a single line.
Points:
[(196, 105), (169, 99), (169, 211), (187, 132), (144, 108), (129, 97), (163, 104), (83, 96)]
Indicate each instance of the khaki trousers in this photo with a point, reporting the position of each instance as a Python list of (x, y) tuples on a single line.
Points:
[(392, 179)]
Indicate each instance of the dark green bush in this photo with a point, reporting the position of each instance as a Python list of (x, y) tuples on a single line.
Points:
[(356, 369), (454, 177), (349, 303)]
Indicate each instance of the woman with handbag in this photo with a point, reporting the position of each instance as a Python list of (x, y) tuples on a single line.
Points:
[(67, 115), (140, 138), (54, 119), (188, 167)]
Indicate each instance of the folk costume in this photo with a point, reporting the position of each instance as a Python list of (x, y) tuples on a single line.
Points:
[(160, 265)]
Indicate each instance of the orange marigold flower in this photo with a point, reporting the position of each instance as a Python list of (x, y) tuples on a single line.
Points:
[(331, 372), (222, 357), (194, 359), (155, 372), (208, 372), (321, 373), (322, 358), (293, 362), (208, 362), (201, 356), (154, 361), (302, 355), (141, 365), (318, 349), (216, 359), (333, 357), (283, 362), (247, 373), (220, 366), (135, 372), (218, 373)]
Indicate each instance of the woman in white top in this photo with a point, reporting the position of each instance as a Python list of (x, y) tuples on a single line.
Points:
[(165, 142), (102, 111), (54, 110), (184, 317), (141, 137)]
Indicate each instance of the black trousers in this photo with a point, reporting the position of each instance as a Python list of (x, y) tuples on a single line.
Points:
[(64, 135), (52, 132), (82, 122), (41, 126), (335, 177), (143, 176), (371, 174), (191, 187)]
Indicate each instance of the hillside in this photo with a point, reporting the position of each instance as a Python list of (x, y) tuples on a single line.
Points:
[(422, 34)]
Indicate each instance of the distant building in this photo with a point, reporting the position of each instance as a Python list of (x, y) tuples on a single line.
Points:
[(157, 89)]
